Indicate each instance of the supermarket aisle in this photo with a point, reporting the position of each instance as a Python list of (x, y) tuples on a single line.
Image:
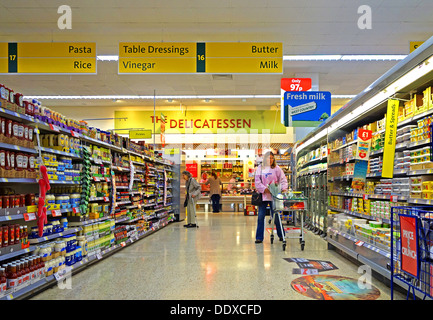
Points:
[(217, 261)]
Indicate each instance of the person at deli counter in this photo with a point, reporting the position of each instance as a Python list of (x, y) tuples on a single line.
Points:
[(268, 172)]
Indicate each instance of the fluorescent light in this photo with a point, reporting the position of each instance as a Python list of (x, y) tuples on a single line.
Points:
[(312, 57), (107, 58), (199, 97), (372, 57), (315, 57)]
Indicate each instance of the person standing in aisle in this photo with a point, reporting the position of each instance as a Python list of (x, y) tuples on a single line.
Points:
[(268, 172), (215, 191), (193, 192)]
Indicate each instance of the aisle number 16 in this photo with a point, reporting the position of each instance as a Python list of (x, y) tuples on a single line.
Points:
[(200, 57)]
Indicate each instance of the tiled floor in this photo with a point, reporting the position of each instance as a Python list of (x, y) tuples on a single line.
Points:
[(219, 260)]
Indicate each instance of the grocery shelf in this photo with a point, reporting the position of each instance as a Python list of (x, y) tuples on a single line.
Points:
[(13, 254), (416, 144), (54, 235), (58, 152), (420, 201), (17, 148), (46, 282)]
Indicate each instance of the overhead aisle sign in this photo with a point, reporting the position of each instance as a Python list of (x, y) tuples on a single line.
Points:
[(48, 58), (187, 57)]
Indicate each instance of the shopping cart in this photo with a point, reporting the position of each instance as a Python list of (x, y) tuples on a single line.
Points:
[(292, 201)]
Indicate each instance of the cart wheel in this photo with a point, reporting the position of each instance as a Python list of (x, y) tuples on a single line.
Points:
[(272, 239), (284, 247), (302, 246)]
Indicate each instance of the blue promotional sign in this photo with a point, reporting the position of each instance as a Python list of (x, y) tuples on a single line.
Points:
[(312, 106)]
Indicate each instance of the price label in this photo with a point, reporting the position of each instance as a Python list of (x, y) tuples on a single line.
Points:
[(56, 213), (365, 196), (29, 216), (359, 243), (54, 128), (75, 134), (99, 255), (123, 244), (76, 210), (96, 179), (394, 198)]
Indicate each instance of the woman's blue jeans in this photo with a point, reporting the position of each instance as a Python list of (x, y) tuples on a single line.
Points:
[(260, 233)]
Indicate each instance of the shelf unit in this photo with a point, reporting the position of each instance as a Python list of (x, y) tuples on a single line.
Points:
[(131, 205), (344, 232), (311, 169)]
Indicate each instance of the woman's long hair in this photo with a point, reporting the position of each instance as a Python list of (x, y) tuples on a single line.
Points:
[(266, 157)]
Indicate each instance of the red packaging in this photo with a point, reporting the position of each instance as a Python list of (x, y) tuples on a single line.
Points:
[(11, 96), (31, 165), (20, 131), (2, 92), (2, 159), (2, 126), (31, 134), (1, 237), (12, 160), (26, 132), (8, 132), (25, 164), (19, 99), (5, 202), (22, 200), (5, 236), (11, 232), (15, 133), (8, 160), (19, 161), (16, 201), (17, 233)]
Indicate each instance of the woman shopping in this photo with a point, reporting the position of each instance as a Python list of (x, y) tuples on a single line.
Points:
[(215, 191), (268, 172), (193, 192)]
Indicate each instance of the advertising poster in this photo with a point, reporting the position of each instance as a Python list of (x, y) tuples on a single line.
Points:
[(409, 245), (308, 266), (359, 175), (329, 287)]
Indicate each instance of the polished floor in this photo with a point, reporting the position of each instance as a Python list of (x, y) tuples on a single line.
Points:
[(219, 260)]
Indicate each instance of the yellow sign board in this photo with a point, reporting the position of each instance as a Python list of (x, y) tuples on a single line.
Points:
[(390, 138), (209, 121), (157, 49), (48, 57), (171, 151), (56, 50), (186, 57), (140, 134), (244, 65), (244, 50), (156, 65), (414, 45)]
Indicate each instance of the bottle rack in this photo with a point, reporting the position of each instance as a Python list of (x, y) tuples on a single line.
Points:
[(130, 198)]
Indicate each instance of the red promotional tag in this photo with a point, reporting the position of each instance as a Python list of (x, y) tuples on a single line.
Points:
[(364, 135), (296, 84)]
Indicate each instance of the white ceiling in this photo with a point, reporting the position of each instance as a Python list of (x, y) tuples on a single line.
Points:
[(304, 27)]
